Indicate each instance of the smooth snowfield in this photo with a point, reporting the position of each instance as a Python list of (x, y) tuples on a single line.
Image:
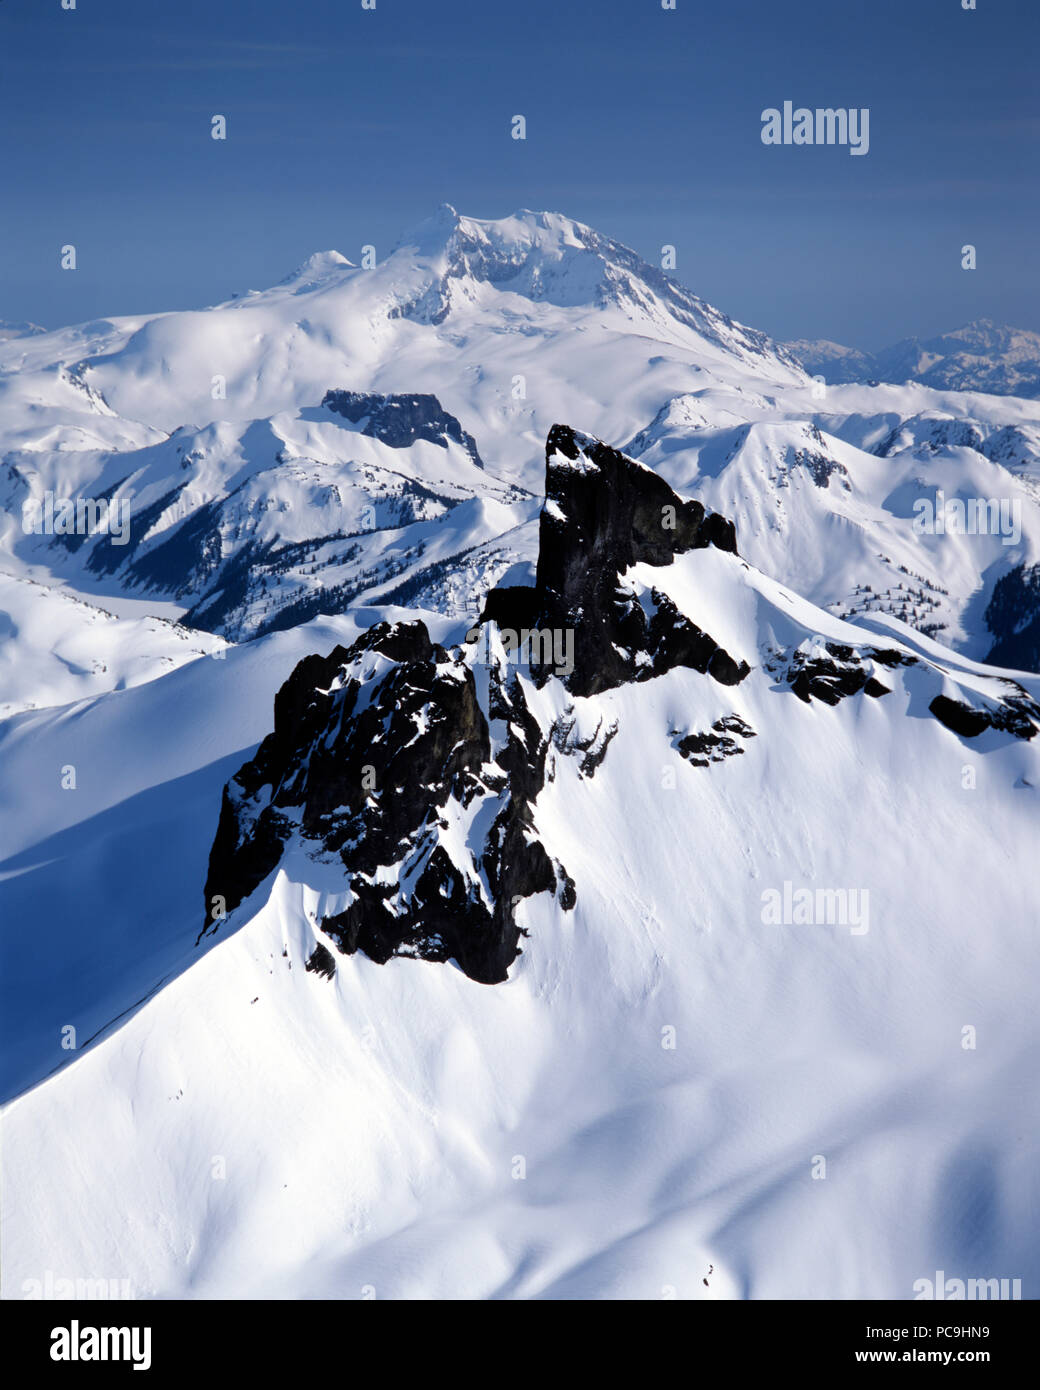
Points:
[(56, 648), (403, 1129), (121, 856)]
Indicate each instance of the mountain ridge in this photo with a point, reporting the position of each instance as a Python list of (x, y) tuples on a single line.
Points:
[(417, 768), (982, 355)]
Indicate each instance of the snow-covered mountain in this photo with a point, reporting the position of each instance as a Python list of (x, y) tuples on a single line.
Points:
[(253, 501), (256, 501), (770, 872), (837, 503), (833, 361), (981, 356), (505, 797)]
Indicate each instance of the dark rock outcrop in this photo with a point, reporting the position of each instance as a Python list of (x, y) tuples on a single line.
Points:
[(717, 743), (1013, 617), (1015, 714), (400, 420), (376, 751), (604, 513), (321, 962), (832, 671)]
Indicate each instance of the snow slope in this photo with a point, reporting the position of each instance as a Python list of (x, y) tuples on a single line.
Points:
[(55, 648), (839, 521), (264, 1131)]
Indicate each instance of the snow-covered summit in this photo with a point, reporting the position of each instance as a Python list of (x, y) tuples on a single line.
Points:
[(318, 270), (211, 426), (546, 257)]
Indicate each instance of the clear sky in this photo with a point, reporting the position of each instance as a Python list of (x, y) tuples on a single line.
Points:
[(346, 126)]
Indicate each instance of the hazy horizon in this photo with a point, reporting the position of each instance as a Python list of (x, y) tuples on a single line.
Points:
[(346, 126)]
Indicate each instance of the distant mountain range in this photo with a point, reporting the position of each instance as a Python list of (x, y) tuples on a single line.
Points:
[(375, 435), (981, 356), (10, 330)]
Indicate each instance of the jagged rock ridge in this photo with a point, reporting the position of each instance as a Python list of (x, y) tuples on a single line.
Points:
[(381, 755), (401, 420), (382, 751), (604, 513), (419, 772)]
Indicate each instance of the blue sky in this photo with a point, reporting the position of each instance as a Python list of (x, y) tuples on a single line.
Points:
[(347, 126)]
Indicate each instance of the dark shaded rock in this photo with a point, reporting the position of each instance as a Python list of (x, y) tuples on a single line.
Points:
[(374, 749), (833, 671), (604, 513), (891, 658), (322, 962), (673, 640), (963, 719), (401, 420), (511, 606), (725, 670), (829, 681), (716, 744), (1016, 715), (1013, 617)]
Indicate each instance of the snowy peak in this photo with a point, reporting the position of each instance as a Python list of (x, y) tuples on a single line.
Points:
[(981, 356), (485, 314), (320, 269), (497, 249), (548, 258), (542, 257)]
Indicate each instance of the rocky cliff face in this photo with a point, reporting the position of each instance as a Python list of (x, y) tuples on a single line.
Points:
[(382, 758), (603, 514), (417, 767), (419, 778), (401, 420)]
